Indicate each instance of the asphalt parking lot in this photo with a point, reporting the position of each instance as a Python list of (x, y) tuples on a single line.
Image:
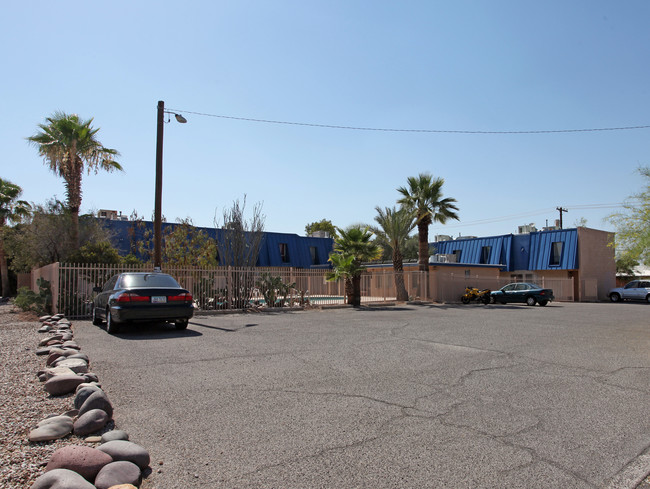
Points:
[(397, 397)]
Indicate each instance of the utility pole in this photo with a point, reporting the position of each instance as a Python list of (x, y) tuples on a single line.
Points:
[(157, 220), (561, 209)]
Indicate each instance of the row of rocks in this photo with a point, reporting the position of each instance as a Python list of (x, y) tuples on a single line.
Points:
[(116, 462)]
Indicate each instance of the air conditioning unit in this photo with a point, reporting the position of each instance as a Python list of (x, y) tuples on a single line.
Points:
[(442, 258)]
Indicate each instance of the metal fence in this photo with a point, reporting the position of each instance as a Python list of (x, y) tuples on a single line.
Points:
[(451, 287), (223, 288), (230, 288)]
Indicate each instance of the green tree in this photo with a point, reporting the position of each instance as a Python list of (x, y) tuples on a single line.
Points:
[(633, 225), (423, 195), (188, 246), (352, 247), (69, 145), (12, 210), (322, 225), (394, 228), (45, 237)]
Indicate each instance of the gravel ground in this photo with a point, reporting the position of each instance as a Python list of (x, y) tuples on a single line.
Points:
[(24, 402)]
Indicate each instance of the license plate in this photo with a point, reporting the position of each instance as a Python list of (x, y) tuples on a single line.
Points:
[(158, 299)]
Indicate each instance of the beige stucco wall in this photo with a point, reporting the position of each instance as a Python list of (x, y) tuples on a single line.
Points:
[(597, 263)]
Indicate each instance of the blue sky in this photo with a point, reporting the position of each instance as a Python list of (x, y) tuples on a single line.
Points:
[(437, 65)]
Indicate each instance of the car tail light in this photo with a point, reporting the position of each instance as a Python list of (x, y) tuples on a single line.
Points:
[(131, 297), (184, 297)]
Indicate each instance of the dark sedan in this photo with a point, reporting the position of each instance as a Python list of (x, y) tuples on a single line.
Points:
[(526, 293), (140, 296)]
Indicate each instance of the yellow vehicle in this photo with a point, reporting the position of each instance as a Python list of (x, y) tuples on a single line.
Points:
[(474, 294)]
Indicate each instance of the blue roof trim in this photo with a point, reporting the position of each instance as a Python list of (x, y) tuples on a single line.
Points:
[(299, 247), (541, 248), (517, 252)]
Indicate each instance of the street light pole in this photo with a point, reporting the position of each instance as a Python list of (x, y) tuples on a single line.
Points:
[(157, 222)]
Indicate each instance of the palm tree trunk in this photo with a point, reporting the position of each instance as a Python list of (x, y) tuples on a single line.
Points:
[(398, 267), (4, 270), (349, 290), (356, 291), (423, 246)]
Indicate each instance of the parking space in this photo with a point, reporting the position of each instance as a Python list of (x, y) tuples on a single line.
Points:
[(471, 396)]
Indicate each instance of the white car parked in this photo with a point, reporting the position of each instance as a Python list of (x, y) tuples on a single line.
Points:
[(637, 290)]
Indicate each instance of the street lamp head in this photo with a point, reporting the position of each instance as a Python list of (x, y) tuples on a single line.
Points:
[(180, 118)]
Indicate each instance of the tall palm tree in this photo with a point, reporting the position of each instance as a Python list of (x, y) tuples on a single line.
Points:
[(395, 225), (11, 210), (67, 145), (424, 196), (352, 247)]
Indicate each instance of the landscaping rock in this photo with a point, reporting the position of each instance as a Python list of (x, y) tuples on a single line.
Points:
[(90, 422), (63, 384), (115, 435), (42, 319), (48, 373), (61, 479), (116, 473), (97, 400), (126, 450), (91, 377), (45, 328), (77, 365), (86, 461), (79, 356), (51, 429), (45, 341)]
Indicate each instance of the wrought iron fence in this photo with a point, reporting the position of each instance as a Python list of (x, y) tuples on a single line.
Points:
[(223, 288)]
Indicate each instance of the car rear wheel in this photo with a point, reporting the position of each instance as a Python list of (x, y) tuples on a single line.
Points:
[(96, 319), (647, 298), (530, 301), (615, 297), (112, 327), (182, 324)]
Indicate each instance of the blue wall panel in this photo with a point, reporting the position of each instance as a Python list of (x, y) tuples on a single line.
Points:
[(518, 252), (124, 233)]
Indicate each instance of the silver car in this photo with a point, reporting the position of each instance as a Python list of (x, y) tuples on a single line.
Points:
[(636, 290)]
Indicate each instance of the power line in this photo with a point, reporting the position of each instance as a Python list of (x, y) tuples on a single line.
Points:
[(437, 131), (539, 212)]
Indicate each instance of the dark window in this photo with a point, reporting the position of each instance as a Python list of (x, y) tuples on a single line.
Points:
[(148, 280), (485, 254), (284, 252), (313, 251), (556, 254), (457, 254)]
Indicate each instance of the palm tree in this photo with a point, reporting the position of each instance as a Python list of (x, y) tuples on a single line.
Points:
[(67, 144), (424, 196), (352, 247), (395, 225), (11, 210)]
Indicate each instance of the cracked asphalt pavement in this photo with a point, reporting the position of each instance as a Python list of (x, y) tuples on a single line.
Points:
[(393, 397)]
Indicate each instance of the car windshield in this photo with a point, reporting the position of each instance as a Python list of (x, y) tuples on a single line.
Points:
[(148, 280)]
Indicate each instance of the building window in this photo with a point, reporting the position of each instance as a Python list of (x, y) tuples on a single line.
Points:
[(313, 251), (556, 254), (485, 254), (457, 254), (284, 252)]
